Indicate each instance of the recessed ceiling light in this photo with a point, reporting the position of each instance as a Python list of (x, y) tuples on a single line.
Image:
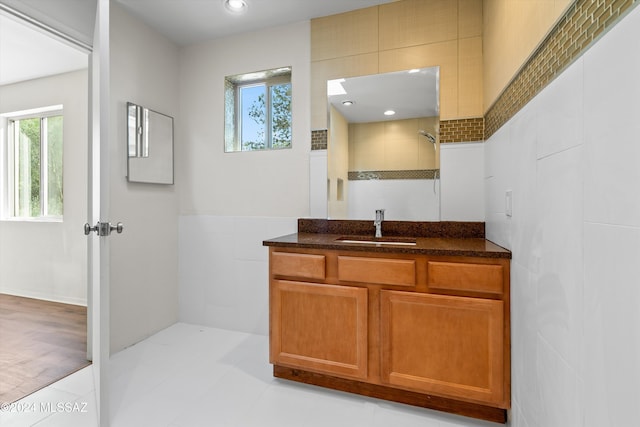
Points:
[(389, 113), (347, 102), (414, 70), (235, 6)]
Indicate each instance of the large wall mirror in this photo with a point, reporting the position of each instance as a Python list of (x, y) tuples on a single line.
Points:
[(383, 149)]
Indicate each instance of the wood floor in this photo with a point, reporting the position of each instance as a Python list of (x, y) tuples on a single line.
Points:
[(40, 343)]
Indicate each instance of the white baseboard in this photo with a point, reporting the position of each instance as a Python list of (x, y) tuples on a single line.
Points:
[(45, 297)]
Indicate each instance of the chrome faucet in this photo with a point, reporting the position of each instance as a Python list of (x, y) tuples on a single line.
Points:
[(378, 222)]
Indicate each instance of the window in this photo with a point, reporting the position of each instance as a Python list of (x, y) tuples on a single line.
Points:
[(34, 164), (258, 110)]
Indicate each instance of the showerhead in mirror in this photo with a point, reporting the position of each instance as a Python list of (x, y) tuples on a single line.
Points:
[(431, 138)]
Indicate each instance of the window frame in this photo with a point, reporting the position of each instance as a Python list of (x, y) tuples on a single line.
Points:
[(240, 82), (10, 183)]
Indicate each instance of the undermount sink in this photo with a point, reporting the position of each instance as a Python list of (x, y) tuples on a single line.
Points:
[(377, 240)]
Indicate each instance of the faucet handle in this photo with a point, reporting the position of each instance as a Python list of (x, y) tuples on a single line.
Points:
[(379, 214)]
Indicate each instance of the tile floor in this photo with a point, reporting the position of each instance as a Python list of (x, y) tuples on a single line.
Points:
[(69, 402), (191, 376)]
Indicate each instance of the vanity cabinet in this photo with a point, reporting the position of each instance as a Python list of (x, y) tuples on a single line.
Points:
[(426, 330)]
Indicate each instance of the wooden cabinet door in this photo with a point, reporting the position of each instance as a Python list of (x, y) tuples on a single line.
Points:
[(319, 327), (445, 345)]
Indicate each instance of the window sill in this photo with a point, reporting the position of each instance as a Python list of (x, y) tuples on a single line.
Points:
[(39, 219)]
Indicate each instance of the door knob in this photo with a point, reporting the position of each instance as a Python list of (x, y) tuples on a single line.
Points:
[(88, 229), (117, 228), (103, 228)]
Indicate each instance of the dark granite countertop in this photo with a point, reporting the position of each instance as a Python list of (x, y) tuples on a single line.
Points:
[(453, 229), (443, 246), (444, 238)]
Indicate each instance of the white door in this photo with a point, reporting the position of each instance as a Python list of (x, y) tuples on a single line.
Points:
[(48, 28), (47, 20), (98, 245)]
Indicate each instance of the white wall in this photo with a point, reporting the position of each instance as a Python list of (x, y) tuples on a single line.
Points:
[(462, 181), (402, 199), (224, 270), (144, 258), (230, 202), (260, 183), (47, 260), (572, 159), (319, 184)]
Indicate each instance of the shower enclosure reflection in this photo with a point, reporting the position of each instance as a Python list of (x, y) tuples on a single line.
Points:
[(383, 146)]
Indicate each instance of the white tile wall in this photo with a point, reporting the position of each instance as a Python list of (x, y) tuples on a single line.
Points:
[(612, 325), (462, 182), (406, 199), (612, 128), (572, 159), (223, 270), (525, 386), (561, 400), (523, 184), (560, 122), (497, 172), (559, 234), (318, 184)]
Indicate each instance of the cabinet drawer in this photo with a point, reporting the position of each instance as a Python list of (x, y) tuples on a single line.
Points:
[(453, 276), (298, 265), (381, 271)]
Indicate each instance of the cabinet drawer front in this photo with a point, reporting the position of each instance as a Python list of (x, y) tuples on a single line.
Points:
[(381, 271), (465, 277), (298, 265)]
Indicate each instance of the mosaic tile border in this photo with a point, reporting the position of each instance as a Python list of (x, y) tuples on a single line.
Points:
[(583, 22), (319, 139), (457, 130), (394, 174), (462, 130)]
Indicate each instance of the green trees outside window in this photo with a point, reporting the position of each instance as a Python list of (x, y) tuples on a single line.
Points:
[(258, 110), (37, 167)]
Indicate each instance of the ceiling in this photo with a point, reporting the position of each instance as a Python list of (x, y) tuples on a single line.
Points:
[(72, 17), (194, 21), (26, 53)]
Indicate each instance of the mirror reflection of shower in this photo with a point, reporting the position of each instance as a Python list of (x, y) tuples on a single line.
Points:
[(363, 143), (430, 137)]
